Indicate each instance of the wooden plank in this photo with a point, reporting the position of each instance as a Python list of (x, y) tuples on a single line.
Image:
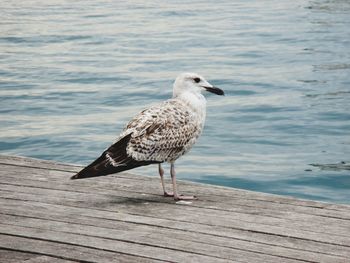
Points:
[(37, 163), (255, 216), (64, 251), (114, 219), (303, 253), (342, 230), (15, 256), (226, 202), (47, 259), (221, 231), (214, 202), (141, 250), (189, 254), (203, 189), (203, 243), (124, 216), (11, 256)]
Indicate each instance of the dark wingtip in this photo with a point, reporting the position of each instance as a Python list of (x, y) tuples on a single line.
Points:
[(76, 176), (86, 173)]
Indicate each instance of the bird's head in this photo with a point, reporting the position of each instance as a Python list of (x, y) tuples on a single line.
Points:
[(194, 83)]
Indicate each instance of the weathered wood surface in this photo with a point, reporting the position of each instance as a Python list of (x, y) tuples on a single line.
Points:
[(45, 217)]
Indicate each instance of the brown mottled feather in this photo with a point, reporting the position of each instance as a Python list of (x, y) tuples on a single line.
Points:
[(163, 132)]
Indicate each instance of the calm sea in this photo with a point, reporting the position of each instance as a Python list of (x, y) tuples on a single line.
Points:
[(72, 73)]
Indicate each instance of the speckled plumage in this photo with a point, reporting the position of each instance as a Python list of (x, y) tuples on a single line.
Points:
[(158, 134), (163, 132)]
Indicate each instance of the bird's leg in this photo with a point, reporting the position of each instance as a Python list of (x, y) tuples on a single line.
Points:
[(173, 179), (161, 174)]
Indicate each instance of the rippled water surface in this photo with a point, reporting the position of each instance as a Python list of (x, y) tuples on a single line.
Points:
[(73, 72)]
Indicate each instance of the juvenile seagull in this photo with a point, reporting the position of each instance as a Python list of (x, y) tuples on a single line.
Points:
[(161, 133)]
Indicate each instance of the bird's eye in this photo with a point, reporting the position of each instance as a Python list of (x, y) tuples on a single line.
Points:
[(197, 80)]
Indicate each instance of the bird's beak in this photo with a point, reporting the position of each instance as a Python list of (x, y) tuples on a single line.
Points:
[(214, 90)]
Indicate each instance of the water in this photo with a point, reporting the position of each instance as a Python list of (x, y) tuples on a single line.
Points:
[(73, 72)]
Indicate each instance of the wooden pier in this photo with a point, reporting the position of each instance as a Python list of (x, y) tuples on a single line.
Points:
[(45, 217)]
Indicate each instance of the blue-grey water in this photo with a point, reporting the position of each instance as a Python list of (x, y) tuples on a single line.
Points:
[(72, 73)]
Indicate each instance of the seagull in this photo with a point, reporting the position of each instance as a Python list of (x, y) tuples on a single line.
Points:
[(158, 134)]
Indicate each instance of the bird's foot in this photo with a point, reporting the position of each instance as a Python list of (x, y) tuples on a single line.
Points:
[(168, 194), (185, 197)]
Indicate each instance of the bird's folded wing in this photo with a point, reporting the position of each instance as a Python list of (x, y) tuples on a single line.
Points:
[(113, 160), (162, 133)]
